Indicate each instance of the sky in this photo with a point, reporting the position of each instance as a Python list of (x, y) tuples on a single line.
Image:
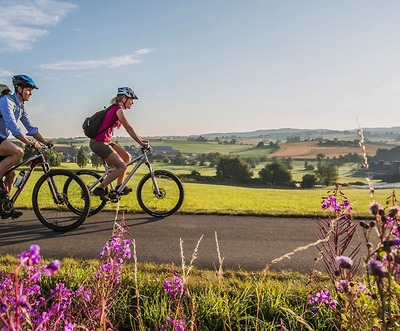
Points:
[(206, 66)]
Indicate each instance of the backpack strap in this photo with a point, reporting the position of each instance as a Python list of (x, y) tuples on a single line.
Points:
[(107, 109)]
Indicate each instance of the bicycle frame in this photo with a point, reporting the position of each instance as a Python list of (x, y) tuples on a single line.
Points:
[(34, 161), (141, 159)]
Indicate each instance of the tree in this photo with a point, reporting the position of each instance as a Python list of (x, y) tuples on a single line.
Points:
[(234, 169), (287, 162), (179, 159), (260, 145), (96, 160), (28, 152), (327, 175), (308, 181), (276, 174), (320, 156), (81, 158), (53, 158), (308, 166)]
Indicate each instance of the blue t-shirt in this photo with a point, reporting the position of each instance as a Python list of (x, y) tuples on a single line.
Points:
[(12, 110)]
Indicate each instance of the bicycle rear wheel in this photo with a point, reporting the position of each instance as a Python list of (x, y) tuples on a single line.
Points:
[(56, 198), (170, 198), (90, 178)]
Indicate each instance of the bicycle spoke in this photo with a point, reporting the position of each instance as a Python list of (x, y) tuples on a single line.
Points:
[(68, 208), (167, 200)]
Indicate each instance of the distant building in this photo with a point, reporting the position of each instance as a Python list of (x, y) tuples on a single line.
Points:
[(66, 150), (167, 150), (385, 170)]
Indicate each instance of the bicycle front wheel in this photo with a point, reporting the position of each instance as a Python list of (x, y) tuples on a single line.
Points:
[(91, 179), (169, 199), (56, 198)]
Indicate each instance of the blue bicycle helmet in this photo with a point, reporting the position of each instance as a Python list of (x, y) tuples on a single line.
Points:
[(24, 81)]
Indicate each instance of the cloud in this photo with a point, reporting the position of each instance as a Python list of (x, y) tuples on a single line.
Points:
[(144, 51), (22, 23), (5, 74), (112, 62)]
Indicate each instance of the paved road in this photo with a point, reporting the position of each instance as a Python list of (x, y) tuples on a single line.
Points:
[(245, 242)]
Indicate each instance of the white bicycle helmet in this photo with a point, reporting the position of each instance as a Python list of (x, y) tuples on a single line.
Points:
[(127, 91)]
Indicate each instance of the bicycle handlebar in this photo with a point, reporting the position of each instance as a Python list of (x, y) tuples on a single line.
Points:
[(148, 150), (42, 147)]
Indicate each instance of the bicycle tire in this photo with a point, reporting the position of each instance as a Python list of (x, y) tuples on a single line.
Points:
[(89, 178), (172, 194), (58, 214)]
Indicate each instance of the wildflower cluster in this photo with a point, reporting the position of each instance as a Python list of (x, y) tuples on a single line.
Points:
[(175, 289), (342, 208), (114, 252), (98, 298), (322, 297), (23, 307), (22, 303), (370, 303), (174, 286)]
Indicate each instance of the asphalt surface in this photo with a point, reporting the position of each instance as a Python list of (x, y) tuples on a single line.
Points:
[(245, 242)]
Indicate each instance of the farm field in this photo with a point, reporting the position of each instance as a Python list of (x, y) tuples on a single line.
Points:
[(310, 149), (246, 148)]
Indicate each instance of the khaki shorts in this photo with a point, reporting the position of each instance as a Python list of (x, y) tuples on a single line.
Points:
[(101, 148)]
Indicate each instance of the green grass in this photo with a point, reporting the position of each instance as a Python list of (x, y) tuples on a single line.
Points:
[(228, 302), (233, 200)]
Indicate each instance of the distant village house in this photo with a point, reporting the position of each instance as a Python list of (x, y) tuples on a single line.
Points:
[(166, 150)]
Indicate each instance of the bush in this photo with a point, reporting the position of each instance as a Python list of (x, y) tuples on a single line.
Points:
[(234, 169), (308, 181), (276, 174)]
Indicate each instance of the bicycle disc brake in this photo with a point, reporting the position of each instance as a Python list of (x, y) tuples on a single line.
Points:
[(161, 195)]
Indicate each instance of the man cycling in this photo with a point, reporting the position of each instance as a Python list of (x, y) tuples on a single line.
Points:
[(12, 109)]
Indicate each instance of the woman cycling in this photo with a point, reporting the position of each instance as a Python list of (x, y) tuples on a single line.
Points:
[(111, 153)]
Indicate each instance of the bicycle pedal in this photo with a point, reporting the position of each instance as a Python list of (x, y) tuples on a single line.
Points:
[(114, 196)]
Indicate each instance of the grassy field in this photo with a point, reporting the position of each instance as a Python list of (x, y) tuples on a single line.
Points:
[(229, 302), (224, 199)]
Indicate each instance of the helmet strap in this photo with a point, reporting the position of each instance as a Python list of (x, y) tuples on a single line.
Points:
[(20, 94), (124, 102)]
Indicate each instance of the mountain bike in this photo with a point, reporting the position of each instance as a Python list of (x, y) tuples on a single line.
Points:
[(159, 193), (60, 198)]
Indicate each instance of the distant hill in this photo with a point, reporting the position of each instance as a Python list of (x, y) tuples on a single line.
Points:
[(283, 133)]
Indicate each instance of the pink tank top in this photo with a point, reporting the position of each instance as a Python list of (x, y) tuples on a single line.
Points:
[(111, 118)]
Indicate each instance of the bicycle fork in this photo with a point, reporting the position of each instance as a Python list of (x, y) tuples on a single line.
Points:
[(57, 197), (156, 190)]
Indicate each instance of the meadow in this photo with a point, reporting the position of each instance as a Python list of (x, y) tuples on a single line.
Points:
[(136, 296), (235, 200), (224, 300)]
